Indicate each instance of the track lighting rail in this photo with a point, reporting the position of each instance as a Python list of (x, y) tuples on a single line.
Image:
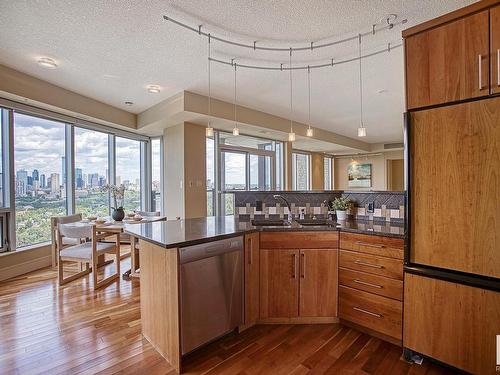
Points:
[(310, 47)]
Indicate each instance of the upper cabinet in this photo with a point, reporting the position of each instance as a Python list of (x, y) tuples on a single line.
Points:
[(449, 62), (495, 49)]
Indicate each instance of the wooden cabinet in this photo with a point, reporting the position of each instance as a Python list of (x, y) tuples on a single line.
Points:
[(298, 276), (318, 282), (465, 319), (455, 187), (448, 63), (279, 283), (495, 49), (252, 275), (371, 284)]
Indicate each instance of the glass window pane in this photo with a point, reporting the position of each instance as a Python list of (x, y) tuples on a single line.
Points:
[(234, 171), (260, 172), (328, 173), (156, 175), (91, 172), (128, 172), (3, 122), (227, 203), (300, 171), (39, 147)]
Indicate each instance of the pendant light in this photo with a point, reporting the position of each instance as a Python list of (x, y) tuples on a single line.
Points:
[(361, 129), (291, 135), (309, 131), (236, 131), (209, 131)]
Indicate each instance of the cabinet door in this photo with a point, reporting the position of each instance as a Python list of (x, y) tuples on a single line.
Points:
[(448, 63), (453, 323), (252, 261), (318, 282), (495, 49), (279, 283), (455, 193)]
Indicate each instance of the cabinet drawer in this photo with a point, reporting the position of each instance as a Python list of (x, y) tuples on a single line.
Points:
[(376, 265), (375, 245), (299, 240), (378, 313), (380, 285)]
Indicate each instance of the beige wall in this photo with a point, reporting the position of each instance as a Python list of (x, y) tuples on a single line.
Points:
[(185, 171), (23, 261), (15, 84), (379, 170), (317, 171)]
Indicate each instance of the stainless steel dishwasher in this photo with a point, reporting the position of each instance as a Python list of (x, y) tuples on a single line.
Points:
[(211, 295)]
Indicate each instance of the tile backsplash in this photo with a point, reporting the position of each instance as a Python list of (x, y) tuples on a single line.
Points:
[(388, 206)]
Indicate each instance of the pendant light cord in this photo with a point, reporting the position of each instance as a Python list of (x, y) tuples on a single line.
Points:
[(309, 89), (209, 84), (360, 84), (235, 123), (291, 91)]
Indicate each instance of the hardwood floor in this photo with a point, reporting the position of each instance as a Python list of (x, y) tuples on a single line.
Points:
[(47, 329)]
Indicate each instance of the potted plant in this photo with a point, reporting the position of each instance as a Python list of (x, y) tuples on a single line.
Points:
[(340, 206), (118, 193)]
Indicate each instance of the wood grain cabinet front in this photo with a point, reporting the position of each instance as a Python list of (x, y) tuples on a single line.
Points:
[(373, 264), (449, 62), (495, 49), (252, 275)]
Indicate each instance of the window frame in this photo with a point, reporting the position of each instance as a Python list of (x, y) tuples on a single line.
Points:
[(8, 210), (330, 158)]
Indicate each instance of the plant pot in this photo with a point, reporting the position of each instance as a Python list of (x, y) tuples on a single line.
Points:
[(118, 214), (341, 215)]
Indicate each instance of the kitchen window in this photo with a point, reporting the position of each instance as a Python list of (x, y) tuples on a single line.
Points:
[(301, 171)]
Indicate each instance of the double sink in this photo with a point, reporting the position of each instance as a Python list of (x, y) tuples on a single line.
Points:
[(286, 223)]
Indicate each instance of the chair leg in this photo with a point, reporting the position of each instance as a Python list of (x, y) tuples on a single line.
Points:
[(68, 279)]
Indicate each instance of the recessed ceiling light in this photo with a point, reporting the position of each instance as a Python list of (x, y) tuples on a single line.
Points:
[(47, 62), (154, 89), (129, 103)]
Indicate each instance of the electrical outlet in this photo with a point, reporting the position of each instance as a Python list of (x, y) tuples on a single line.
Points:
[(371, 207)]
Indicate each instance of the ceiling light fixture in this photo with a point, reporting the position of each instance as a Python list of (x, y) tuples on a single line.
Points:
[(236, 131), (154, 89), (47, 62), (291, 135), (209, 131), (361, 129), (309, 131)]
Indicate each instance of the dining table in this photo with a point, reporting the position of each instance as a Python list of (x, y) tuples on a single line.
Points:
[(117, 227)]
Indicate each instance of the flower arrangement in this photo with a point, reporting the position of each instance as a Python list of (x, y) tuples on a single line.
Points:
[(118, 193)]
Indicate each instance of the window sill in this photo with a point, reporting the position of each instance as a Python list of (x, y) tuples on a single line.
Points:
[(26, 248)]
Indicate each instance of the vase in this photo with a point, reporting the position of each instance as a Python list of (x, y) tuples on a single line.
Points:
[(118, 214), (341, 215)]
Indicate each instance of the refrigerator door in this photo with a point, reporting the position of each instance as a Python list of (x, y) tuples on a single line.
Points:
[(454, 192)]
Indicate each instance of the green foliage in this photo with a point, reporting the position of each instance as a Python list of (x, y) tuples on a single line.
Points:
[(341, 204)]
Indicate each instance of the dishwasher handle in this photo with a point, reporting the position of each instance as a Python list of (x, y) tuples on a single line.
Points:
[(206, 250)]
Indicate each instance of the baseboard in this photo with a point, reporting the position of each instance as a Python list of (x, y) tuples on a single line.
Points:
[(299, 320), (25, 267)]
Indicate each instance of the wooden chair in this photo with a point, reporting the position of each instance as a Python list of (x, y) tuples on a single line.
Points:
[(88, 251), (54, 222), (134, 247)]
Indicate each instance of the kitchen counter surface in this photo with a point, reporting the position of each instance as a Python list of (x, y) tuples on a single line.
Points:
[(180, 233)]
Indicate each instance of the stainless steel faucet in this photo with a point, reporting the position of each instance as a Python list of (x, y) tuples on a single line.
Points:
[(279, 197)]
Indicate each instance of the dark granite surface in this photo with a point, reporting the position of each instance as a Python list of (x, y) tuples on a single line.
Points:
[(180, 233)]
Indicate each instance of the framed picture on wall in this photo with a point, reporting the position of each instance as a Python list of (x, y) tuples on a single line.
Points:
[(359, 175)]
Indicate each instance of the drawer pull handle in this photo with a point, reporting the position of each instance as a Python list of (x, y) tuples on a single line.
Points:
[(294, 266), (369, 244), (498, 67), (480, 71), (368, 284), (367, 312), (368, 264)]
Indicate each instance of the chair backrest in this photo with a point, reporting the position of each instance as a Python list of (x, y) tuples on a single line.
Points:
[(70, 230), (67, 219), (148, 213)]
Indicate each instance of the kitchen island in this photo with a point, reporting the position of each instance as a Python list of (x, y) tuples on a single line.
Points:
[(278, 286)]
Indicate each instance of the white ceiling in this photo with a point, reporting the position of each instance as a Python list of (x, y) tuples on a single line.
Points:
[(111, 50)]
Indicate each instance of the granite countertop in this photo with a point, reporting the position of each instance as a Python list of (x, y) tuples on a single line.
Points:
[(180, 233)]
